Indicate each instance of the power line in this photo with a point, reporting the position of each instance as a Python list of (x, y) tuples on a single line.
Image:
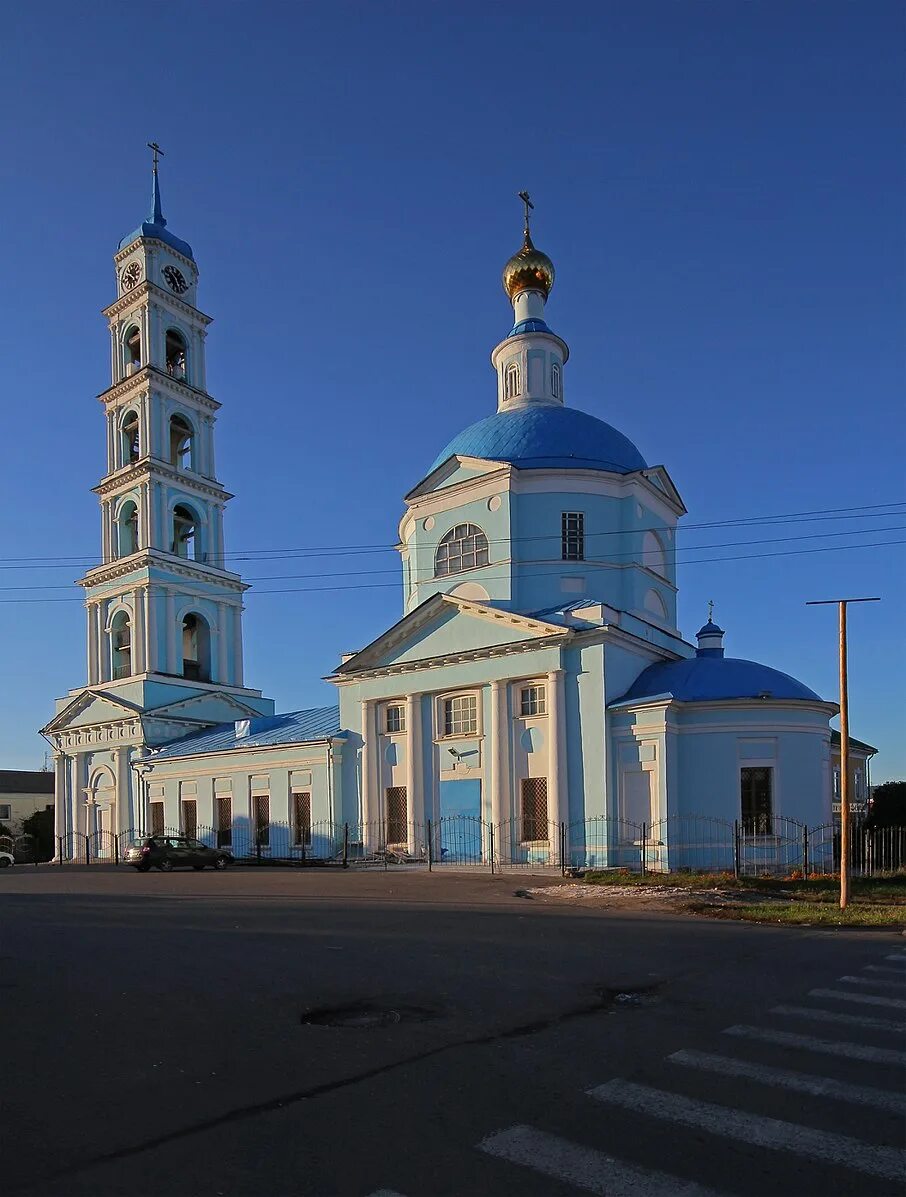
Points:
[(868, 511), (630, 555), (503, 577)]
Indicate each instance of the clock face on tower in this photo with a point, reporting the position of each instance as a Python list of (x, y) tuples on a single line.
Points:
[(175, 279), (131, 276)]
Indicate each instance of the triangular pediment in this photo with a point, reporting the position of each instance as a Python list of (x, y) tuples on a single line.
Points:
[(454, 470), (92, 707), (205, 707), (658, 477), (446, 626)]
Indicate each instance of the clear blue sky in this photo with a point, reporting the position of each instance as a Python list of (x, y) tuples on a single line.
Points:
[(720, 185)]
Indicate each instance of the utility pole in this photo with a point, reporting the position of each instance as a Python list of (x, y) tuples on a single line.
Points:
[(844, 742)]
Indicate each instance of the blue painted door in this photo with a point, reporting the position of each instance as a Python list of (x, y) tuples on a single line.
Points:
[(461, 827)]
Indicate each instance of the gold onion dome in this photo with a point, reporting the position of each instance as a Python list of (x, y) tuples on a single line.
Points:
[(528, 270)]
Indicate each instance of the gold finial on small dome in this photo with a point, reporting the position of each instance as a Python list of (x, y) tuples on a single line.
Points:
[(529, 269)]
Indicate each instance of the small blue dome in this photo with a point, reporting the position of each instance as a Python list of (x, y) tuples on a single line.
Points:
[(540, 437), (148, 229), (707, 679), (710, 629), (532, 324)]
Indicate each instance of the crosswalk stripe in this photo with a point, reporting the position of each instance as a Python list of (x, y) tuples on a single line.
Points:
[(887, 1162), (385, 1193), (882, 983), (884, 968), (829, 1047), (867, 999), (584, 1167), (853, 1020), (817, 1086)]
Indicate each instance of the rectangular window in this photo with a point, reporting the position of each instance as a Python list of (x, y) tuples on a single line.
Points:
[(534, 810), (396, 815), (396, 718), (6, 812), (261, 818), (533, 700), (157, 817), (224, 815), (461, 715), (572, 535), (756, 785), (301, 817), (189, 818)]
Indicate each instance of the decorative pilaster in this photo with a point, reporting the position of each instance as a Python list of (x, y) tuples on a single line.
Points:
[(124, 812), (500, 754), (371, 806), (60, 798), (415, 773), (558, 807)]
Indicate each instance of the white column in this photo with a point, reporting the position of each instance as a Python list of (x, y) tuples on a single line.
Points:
[(124, 812), (238, 667), (105, 664), (223, 634), (79, 795), (501, 783), (151, 654), (415, 775), (371, 808), (171, 635), (60, 799), (138, 631), (91, 612), (558, 804)]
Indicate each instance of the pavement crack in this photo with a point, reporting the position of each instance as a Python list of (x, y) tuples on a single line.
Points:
[(255, 1110)]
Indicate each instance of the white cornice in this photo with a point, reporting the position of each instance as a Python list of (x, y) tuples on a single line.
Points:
[(153, 558), (490, 652), (153, 467), (146, 289), (152, 375)]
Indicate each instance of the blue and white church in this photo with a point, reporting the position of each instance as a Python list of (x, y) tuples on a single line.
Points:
[(536, 679)]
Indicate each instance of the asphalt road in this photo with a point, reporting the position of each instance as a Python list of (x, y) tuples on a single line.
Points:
[(170, 1034)]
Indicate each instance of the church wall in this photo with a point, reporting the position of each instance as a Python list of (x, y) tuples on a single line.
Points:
[(585, 730), (491, 515)]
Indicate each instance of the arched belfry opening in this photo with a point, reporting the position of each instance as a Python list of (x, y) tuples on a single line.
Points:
[(130, 447), (176, 354), (127, 529), (196, 648), (186, 541), (132, 344), (182, 443), (121, 646)]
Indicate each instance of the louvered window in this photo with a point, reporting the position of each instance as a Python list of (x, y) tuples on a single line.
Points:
[(190, 818), (261, 814), (396, 815), (157, 818), (224, 821), (301, 817)]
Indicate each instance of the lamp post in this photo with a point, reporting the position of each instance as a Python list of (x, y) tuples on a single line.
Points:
[(844, 741)]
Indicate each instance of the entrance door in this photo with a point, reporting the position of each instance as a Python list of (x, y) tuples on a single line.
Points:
[(461, 826)]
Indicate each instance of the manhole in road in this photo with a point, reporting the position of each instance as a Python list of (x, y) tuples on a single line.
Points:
[(365, 1016)]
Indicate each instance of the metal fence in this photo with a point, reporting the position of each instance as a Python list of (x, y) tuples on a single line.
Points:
[(776, 846)]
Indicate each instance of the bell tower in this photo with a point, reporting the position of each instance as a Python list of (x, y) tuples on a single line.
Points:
[(161, 605)]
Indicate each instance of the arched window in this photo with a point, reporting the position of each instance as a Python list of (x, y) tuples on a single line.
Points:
[(511, 381), (132, 342), (653, 555), (655, 605), (176, 354), (129, 442), (464, 547), (121, 646), (182, 443), (555, 380), (185, 534), (127, 529), (196, 648)]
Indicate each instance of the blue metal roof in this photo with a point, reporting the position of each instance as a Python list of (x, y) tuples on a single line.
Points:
[(710, 629), (713, 678), (156, 226), (532, 324), (541, 437), (294, 727)]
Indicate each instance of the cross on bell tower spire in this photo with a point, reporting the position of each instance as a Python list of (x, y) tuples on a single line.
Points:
[(157, 216)]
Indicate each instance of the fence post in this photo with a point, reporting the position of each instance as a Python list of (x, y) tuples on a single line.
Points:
[(87, 849), (805, 851), (430, 848), (644, 851), (116, 850), (736, 848), (34, 851), (562, 849), (59, 849), (491, 845), (345, 845)]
